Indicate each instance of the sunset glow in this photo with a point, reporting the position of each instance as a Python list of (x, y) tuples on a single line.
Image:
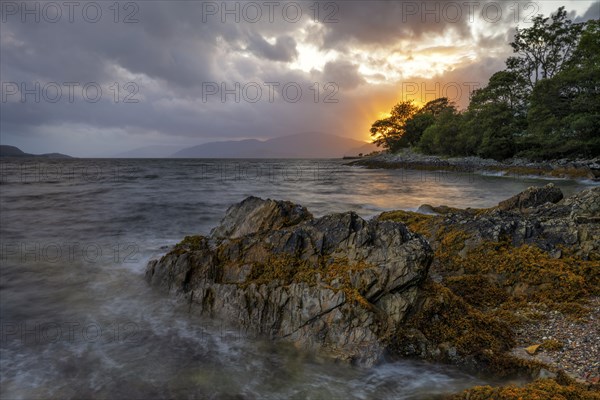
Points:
[(195, 78)]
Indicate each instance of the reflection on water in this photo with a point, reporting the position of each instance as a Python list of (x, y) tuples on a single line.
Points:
[(78, 320)]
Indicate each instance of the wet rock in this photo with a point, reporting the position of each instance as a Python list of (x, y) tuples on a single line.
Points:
[(573, 222), (585, 206), (337, 284), (355, 288), (489, 261), (426, 209), (532, 197), (256, 215)]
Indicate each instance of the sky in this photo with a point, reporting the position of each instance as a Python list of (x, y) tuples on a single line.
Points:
[(93, 79)]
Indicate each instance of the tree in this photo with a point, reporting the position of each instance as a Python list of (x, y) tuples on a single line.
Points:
[(564, 115), (495, 117), (544, 47), (437, 106), (389, 132), (442, 136), (416, 125), (424, 118), (497, 127), (505, 87), (546, 104)]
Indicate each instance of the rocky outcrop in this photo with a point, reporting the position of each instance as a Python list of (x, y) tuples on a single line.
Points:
[(407, 159), (337, 284), (537, 216), (532, 197), (357, 289), (257, 215), (493, 267), (584, 207)]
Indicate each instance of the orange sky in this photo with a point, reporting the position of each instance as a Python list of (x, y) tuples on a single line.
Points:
[(375, 53)]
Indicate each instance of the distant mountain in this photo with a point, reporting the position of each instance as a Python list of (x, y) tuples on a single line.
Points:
[(12, 151), (225, 149), (301, 145), (154, 151)]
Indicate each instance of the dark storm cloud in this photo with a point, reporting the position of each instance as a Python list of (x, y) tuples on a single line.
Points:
[(344, 73), (374, 24), (82, 50), (284, 48), (176, 49), (172, 46), (383, 22), (386, 22)]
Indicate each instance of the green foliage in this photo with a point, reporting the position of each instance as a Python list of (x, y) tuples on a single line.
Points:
[(496, 127), (407, 123), (443, 136), (389, 132), (427, 117), (545, 105), (496, 115), (565, 110), (543, 48), (504, 87), (416, 125)]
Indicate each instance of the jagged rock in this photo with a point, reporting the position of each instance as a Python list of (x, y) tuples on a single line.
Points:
[(426, 209), (532, 197), (354, 288), (257, 215), (486, 259), (585, 205), (573, 222), (338, 283)]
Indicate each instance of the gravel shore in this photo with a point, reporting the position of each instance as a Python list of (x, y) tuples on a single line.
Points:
[(580, 341), (575, 169)]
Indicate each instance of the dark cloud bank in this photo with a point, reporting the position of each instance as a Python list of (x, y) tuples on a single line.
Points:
[(186, 72)]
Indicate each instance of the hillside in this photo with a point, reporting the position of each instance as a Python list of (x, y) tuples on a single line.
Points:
[(12, 151), (301, 145)]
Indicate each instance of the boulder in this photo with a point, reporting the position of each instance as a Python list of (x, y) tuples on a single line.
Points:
[(585, 205), (494, 259), (256, 215), (335, 284), (572, 222), (532, 197)]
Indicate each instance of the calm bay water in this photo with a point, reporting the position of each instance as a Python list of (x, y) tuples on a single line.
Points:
[(78, 320)]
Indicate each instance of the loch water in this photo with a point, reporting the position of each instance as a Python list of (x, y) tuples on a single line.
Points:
[(77, 319)]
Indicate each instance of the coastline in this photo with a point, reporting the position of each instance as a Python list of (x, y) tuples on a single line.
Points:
[(509, 291), (516, 167)]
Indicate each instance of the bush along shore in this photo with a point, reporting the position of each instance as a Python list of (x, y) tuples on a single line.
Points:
[(509, 291), (516, 167)]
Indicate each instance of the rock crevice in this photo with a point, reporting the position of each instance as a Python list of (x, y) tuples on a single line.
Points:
[(338, 283)]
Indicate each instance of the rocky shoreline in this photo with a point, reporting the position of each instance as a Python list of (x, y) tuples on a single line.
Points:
[(474, 288), (336, 284), (517, 167), (565, 343)]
